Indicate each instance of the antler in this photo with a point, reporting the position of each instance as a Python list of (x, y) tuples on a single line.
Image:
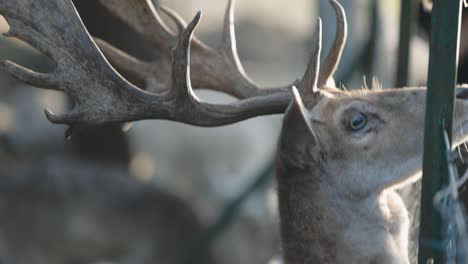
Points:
[(101, 95), (333, 58), (216, 69), (213, 68)]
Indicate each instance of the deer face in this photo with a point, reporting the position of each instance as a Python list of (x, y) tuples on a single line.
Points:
[(363, 141)]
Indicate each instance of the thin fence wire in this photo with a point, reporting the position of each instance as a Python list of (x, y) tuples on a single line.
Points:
[(454, 217)]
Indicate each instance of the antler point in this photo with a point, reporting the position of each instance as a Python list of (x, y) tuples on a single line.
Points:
[(296, 94), (68, 133), (199, 15), (51, 116)]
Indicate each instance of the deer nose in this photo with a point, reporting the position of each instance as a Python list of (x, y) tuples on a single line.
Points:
[(462, 93)]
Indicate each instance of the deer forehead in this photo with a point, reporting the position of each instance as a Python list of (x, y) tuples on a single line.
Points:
[(384, 102), (397, 112)]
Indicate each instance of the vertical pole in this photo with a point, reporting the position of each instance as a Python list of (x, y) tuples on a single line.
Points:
[(443, 59), (407, 12)]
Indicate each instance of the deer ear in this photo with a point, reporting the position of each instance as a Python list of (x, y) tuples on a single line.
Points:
[(297, 137)]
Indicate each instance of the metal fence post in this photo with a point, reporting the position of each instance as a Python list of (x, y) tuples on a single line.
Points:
[(446, 15), (407, 14)]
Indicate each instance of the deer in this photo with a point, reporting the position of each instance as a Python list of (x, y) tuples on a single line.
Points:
[(58, 210), (342, 154)]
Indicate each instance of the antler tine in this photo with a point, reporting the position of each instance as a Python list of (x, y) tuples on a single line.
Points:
[(178, 20), (221, 67), (122, 59), (155, 76), (181, 25), (229, 43), (142, 16), (333, 58), (29, 76), (181, 85), (307, 86)]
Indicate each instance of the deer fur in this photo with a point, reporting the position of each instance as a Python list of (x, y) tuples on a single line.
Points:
[(336, 187)]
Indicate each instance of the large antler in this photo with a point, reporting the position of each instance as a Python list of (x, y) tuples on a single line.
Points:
[(101, 95), (213, 68)]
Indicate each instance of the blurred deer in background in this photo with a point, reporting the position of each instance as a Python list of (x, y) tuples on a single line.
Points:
[(85, 213), (341, 154)]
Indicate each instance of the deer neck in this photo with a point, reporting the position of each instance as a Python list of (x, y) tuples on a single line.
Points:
[(320, 224)]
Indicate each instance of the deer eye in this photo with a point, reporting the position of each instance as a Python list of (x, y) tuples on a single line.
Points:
[(357, 122)]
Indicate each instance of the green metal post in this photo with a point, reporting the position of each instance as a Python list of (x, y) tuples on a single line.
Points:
[(446, 15), (407, 15)]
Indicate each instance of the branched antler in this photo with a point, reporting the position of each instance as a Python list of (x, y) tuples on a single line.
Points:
[(213, 68), (101, 95), (216, 69)]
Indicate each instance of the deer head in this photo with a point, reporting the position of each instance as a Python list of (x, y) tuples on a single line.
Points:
[(338, 164), (341, 154)]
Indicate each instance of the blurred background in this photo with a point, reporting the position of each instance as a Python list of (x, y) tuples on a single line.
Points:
[(167, 191)]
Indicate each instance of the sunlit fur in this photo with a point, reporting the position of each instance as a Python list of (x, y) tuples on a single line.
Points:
[(336, 186)]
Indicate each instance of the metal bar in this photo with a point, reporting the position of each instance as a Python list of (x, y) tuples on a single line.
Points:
[(443, 60), (407, 14)]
